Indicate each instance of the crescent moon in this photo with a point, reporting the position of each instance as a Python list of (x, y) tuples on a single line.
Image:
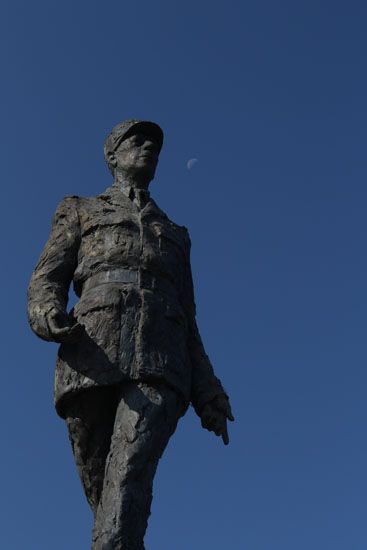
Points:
[(191, 162)]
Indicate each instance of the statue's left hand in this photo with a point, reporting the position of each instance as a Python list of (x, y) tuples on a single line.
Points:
[(62, 328), (214, 417)]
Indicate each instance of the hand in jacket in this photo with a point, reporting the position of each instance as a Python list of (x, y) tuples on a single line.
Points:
[(214, 417)]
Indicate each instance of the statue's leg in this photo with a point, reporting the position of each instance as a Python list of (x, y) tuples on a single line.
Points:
[(145, 420), (90, 418)]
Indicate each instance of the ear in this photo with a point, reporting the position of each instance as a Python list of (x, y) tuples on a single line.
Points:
[(111, 160)]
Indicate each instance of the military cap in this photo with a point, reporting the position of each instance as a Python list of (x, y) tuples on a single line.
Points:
[(122, 130)]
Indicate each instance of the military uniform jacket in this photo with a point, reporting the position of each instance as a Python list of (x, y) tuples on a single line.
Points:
[(143, 330)]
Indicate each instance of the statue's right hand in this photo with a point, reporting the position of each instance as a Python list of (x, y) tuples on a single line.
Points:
[(61, 327)]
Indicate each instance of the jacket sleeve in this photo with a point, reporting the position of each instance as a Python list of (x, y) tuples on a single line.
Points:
[(205, 386), (52, 276)]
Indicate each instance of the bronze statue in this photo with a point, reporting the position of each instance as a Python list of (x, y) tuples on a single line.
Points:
[(131, 358)]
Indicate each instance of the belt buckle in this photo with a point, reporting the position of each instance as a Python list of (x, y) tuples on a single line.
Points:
[(122, 275)]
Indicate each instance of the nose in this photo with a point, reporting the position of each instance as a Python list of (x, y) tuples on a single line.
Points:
[(150, 146), (147, 143)]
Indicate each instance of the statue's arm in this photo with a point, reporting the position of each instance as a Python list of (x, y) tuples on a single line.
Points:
[(208, 397), (50, 282)]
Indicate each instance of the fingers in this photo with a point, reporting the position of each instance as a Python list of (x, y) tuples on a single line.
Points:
[(56, 331), (68, 334), (230, 416), (220, 429), (225, 436), (208, 418), (57, 321), (224, 406), (60, 327), (214, 418)]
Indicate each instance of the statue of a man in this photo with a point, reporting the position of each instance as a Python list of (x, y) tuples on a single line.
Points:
[(131, 358)]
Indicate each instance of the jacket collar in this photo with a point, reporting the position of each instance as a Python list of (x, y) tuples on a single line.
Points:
[(115, 196)]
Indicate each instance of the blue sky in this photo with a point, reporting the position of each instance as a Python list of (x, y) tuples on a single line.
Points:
[(270, 97)]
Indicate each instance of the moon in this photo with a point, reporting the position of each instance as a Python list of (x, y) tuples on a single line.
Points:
[(191, 163)]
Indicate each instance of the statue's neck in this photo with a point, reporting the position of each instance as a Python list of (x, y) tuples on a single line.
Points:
[(124, 182)]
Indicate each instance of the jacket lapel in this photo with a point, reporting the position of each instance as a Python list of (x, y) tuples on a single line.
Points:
[(116, 197), (152, 209)]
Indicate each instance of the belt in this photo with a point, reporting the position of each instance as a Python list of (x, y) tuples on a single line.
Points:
[(117, 275), (121, 275)]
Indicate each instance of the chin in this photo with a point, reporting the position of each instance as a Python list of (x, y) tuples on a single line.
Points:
[(146, 173)]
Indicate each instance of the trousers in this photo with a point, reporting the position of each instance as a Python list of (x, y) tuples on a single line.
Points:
[(118, 434)]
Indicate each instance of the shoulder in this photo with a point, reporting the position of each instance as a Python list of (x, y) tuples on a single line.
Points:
[(179, 228), (67, 209), (183, 233), (74, 202), (69, 201)]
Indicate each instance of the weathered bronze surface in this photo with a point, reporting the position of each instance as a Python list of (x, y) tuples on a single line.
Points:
[(131, 359)]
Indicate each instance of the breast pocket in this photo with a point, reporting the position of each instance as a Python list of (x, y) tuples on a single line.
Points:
[(170, 239), (102, 218)]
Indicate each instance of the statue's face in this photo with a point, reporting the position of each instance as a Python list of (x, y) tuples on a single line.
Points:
[(137, 155)]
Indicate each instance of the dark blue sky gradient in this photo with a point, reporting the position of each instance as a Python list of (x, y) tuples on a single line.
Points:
[(270, 97)]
